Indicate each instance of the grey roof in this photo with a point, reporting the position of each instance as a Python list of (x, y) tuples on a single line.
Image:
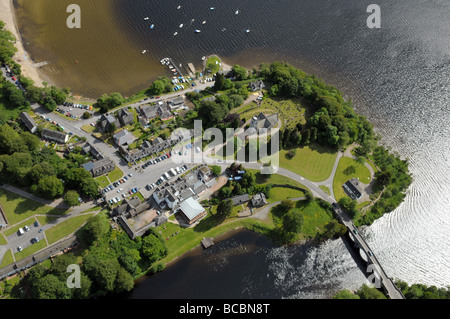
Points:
[(125, 117), (106, 120), (177, 100), (352, 189), (123, 137), (256, 85), (149, 111), (240, 199), (60, 137), (191, 208), (263, 121), (259, 200), (28, 121)]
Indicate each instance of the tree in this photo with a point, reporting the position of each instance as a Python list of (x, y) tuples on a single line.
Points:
[(152, 248), (365, 292), (86, 115), (345, 294), (286, 205), (50, 287), (239, 72), (60, 264), (349, 205), (71, 198), (129, 260), (216, 170), (225, 192), (350, 170), (104, 273), (49, 187), (309, 196), (85, 288), (219, 83), (96, 226), (293, 221), (225, 207), (124, 281)]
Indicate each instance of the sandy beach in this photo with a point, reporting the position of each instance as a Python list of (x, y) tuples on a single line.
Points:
[(21, 57)]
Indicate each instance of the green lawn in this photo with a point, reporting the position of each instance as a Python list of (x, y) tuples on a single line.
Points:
[(279, 193), (30, 250), (362, 172), (3, 240), (43, 220), (312, 162), (314, 218), (7, 111), (213, 64), (102, 181), (7, 258), (18, 208), (65, 228), (115, 175)]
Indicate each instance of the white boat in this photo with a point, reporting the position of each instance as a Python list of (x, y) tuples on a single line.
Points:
[(211, 8), (203, 58), (146, 18), (175, 33), (181, 25), (152, 26), (237, 12), (247, 31), (179, 7), (197, 31), (203, 22), (144, 51)]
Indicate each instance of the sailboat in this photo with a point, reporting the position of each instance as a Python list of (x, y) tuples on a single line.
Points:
[(247, 31), (175, 33), (181, 25), (144, 51), (179, 7), (237, 12)]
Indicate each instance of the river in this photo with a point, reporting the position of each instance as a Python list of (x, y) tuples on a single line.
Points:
[(398, 76)]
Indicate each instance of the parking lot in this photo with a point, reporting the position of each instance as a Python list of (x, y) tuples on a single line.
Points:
[(74, 110), (27, 238)]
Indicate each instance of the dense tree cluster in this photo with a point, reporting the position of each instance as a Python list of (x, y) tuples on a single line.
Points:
[(161, 85), (108, 102), (108, 266), (25, 163), (420, 291), (365, 292)]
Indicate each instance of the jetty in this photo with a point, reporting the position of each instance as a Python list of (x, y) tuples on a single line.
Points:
[(191, 68), (207, 242)]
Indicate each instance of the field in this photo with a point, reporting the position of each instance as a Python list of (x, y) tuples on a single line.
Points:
[(362, 172), (289, 111), (18, 208), (279, 193), (65, 228), (2, 239), (312, 162), (7, 258), (314, 217), (115, 175)]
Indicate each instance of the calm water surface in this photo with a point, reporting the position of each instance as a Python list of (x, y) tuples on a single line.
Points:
[(398, 76)]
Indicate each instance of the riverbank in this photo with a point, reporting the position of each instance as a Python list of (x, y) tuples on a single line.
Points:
[(7, 15)]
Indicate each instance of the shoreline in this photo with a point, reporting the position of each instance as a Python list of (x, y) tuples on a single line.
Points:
[(22, 57)]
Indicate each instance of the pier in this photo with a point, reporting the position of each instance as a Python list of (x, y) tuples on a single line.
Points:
[(207, 242)]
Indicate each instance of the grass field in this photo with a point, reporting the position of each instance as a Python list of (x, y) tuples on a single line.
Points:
[(30, 250), (3, 240), (43, 220), (102, 181), (18, 208), (314, 218), (279, 193), (115, 175), (7, 258), (312, 162), (65, 228), (362, 172), (325, 189)]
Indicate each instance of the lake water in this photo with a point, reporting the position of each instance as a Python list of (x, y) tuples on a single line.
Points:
[(398, 76)]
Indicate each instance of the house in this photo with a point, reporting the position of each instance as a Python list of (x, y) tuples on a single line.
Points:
[(165, 197), (123, 137), (100, 167), (164, 113), (126, 206), (29, 122), (125, 117), (148, 111), (192, 210), (351, 187), (106, 120), (263, 121), (256, 85), (259, 200), (240, 199), (56, 136), (176, 103), (204, 173), (89, 149)]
